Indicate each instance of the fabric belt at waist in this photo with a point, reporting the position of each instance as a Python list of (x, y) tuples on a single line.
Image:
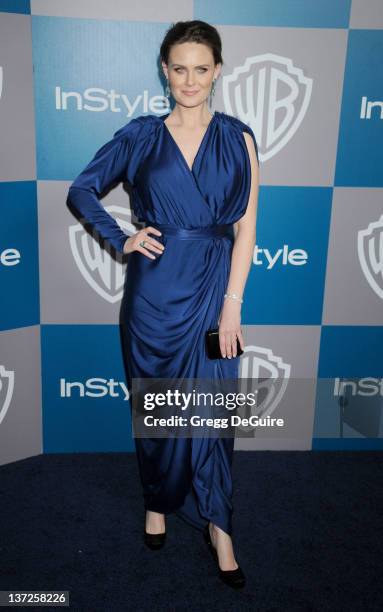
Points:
[(212, 231)]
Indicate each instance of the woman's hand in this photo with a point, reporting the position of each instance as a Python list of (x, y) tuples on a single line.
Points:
[(151, 244), (230, 328)]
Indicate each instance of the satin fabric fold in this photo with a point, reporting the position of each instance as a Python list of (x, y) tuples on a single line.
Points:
[(170, 301)]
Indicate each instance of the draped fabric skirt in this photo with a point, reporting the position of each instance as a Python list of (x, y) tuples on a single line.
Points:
[(167, 306)]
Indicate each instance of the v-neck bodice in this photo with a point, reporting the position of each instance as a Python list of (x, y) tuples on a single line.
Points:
[(214, 190), (178, 148)]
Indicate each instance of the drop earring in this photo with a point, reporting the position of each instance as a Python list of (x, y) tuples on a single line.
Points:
[(167, 90), (212, 91)]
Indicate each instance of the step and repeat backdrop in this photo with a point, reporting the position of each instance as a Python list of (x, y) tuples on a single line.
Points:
[(307, 77)]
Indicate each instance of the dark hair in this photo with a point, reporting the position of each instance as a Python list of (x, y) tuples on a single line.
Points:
[(192, 31)]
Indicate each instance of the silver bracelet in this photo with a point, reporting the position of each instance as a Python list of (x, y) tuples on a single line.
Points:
[(234, 296)]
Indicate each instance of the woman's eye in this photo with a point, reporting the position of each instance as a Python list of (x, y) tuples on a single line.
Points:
[(199, 69)]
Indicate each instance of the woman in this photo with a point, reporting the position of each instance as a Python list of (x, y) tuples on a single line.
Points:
[(195, 185)]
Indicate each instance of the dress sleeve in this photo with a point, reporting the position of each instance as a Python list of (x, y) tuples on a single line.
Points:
[(109, 166)]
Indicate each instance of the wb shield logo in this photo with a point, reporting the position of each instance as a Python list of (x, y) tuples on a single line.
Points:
[(272, 96), (7, 383), (370, 252), (104, 274), (265, 375)]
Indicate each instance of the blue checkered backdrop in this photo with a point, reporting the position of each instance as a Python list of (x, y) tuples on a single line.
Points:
[(307, 77)]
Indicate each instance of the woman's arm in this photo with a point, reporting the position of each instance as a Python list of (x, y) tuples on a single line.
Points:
[(242, 255), (113, 162)]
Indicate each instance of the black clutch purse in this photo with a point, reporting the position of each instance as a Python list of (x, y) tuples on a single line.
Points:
[(212, 344)]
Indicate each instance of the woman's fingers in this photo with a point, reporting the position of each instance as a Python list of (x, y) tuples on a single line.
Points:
[(145, 251), (241, 340), (231, 344), (234, 345), (228, 343), (158, 247), (151, 244)]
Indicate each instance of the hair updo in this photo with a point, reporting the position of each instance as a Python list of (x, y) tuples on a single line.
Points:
[(192, 31)]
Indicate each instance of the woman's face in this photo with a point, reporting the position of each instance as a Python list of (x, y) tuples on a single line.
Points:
[(190, 71)]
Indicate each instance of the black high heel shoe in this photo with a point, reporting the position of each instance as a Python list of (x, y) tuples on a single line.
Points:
[(154, 541), (233, 578)]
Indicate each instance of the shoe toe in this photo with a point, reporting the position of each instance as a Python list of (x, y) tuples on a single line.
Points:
[(234, 578), (154, 541)]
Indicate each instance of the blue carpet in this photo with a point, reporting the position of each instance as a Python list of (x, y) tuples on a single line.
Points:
[(307, 533)]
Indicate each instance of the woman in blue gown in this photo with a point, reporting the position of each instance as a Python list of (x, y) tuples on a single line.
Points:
[(180, 267)]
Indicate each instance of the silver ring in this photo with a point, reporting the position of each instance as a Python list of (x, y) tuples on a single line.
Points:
[(142, 243)]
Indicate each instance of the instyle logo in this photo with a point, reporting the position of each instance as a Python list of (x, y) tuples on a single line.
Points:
[(271, 377), (283, 257), (99, 100), (10, 257), (104, 274), (366, 107), (94, 387), (7, 384), (256, 93), (361, 387), (370, 253)]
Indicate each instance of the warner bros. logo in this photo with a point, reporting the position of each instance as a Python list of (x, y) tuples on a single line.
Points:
[(7, 383), (100, 270), (265, 374), (370, 253), (272, 96)]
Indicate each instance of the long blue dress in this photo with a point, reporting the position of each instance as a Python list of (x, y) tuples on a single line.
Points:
[(169, 302)]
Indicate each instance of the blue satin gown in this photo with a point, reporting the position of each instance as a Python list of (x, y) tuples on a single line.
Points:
[(171, 301)]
